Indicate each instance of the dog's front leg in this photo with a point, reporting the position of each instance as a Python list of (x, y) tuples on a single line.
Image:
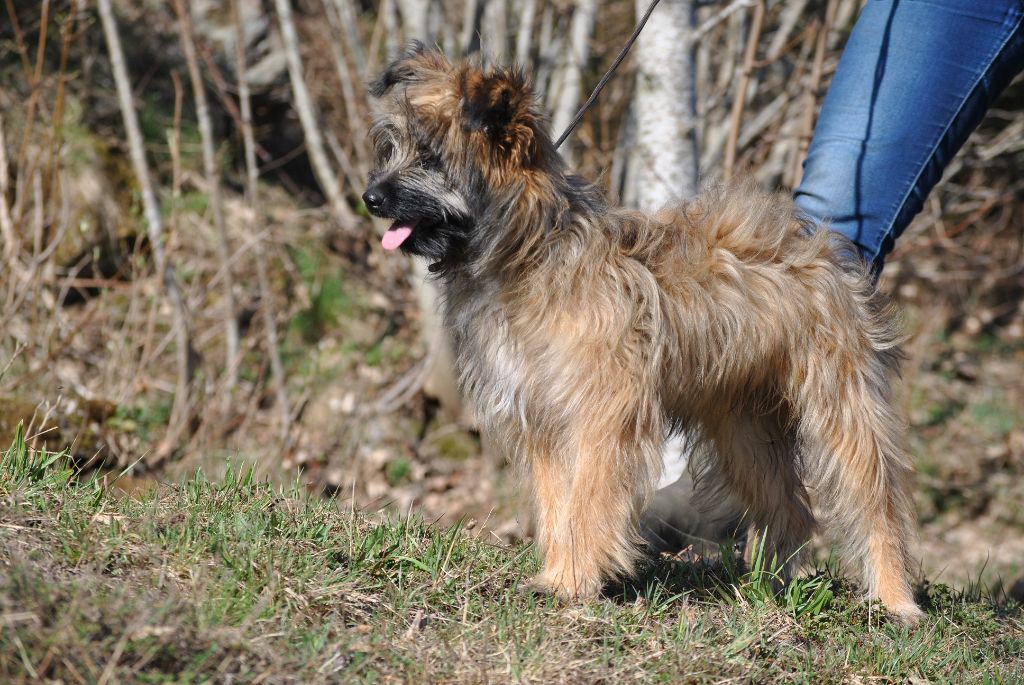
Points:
[(588, 496)]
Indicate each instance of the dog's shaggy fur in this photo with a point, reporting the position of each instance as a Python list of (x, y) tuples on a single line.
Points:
[(585, 332)]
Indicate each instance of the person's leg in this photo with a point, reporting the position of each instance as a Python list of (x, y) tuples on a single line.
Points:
[(914, 81)]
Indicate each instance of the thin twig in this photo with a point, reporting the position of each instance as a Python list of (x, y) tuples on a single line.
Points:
[(353, 111), (252, 195), (57, 119), (350, 34), (740, 100), (310, 127), (213, 189), (718, 17), (811, 95), (154, 228)]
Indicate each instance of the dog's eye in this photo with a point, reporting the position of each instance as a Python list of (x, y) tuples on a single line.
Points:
[(428, 160), (385, 149)]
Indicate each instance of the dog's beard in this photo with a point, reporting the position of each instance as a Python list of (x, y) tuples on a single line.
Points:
[(442, 243)]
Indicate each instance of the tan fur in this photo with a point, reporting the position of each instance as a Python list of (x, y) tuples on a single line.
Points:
[(584, 332)]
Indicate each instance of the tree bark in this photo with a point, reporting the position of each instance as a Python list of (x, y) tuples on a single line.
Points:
[(664, 167), (494, 32), (524, 31), (568, 98)]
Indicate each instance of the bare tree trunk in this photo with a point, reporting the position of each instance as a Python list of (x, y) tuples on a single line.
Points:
[(213, 183), (568, 101), (415, 19), (154, 229), (389, 15), (469, 40), (665, 164), (525, 31), (549, 45), (252, 192), (661, 168), (307, 116), (350, 34), (494, 31)]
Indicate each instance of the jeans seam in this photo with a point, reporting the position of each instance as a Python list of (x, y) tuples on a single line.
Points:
[(898, 207)]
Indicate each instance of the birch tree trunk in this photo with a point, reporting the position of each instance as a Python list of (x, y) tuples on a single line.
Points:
[(494, 33), (524, 32), (665, 152), (415, 19), (567, 98)]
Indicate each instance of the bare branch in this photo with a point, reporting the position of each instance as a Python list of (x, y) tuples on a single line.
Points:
[(353, 111), (154, 229), (740, 99), (350, 35), (252, 193), (213, 183), (310, 126), (811, 95), (6, 224)]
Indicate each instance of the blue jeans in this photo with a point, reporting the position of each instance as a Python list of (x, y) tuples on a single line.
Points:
[(914, 81)]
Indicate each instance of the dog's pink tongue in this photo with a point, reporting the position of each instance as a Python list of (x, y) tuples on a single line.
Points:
[(396, 235)]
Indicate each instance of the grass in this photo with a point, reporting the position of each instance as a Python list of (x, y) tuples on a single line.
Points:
[(239, 581)]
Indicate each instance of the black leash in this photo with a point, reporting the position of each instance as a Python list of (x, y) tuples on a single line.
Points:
[(607, 76)]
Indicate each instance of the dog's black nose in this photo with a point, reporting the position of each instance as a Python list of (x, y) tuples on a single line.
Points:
[(373, 199)]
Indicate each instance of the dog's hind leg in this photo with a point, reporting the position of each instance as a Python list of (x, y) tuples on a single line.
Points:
[(755, 458), (855, 460)]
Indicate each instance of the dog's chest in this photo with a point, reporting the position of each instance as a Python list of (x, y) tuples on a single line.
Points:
[(493, 369)]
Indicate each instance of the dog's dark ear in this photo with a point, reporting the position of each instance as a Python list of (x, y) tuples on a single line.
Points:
[(502, 106), (414, 61)]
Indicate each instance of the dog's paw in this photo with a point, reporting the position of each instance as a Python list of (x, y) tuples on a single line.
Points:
[(908, 614), (568, 591), (537, 587)]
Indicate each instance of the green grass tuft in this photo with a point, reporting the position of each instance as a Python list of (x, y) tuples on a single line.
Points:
[(238, 580)]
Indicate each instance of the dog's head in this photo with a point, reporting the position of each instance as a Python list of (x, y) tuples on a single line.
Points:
[(455, 146)]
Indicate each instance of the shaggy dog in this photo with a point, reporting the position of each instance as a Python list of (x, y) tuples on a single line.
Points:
[(585, 332)]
